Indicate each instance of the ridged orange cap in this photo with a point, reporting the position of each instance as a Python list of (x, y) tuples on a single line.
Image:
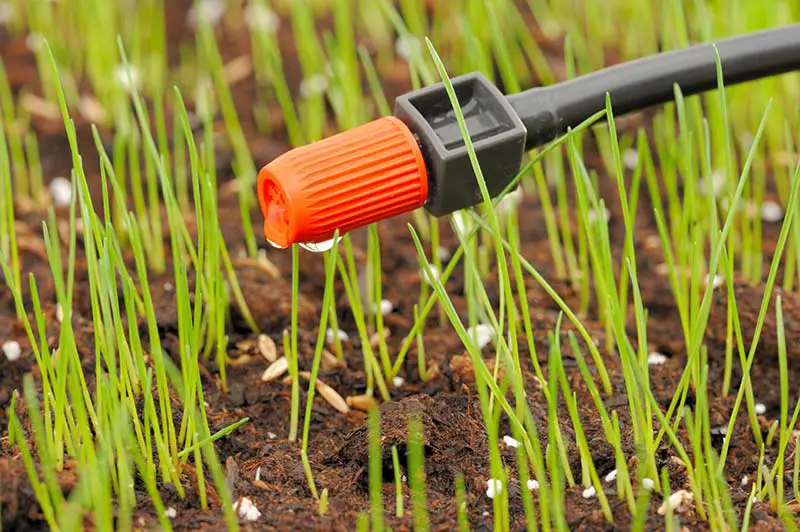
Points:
[(358, 177)]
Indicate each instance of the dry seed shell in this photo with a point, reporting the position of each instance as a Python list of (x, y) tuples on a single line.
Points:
[(267, 347), (275, 370), (329, 394), (237, 69), (362, 402), (245, 345), (240, 361), (329, 361)]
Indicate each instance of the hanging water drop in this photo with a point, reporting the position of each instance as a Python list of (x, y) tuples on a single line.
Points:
[(320, 247)]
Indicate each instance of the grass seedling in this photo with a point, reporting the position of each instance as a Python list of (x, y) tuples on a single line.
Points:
[(311, 57), (461, 504), (421, 364), (87, 427), (590, 478), (374, 297), (12, 128), (349, 275), (327, 298), (290, 346), (375, 469), (642, 504), (8, 234), (244, 168), (362, 522), (398, 482), (770, 283), (416, 474)]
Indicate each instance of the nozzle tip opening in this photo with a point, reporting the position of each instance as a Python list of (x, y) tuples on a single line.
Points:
[(278, 226)]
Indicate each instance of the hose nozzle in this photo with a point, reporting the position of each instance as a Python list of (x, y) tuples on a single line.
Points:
[(352, 179)]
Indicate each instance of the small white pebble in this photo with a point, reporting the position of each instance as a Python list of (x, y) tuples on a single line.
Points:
[(206, 12), (127, 77), (34, 41), (460, 222), (717, 184), (592, 216), (170, 513), (533, 484), (6, 12), (652, 242), (313, 85), (406, 46), (719, 431), (745, 480), (331, 335), (716, 282), (258, 473), (398, 381), (661, 269), (630, 159), (754, 499), (494, 487), (443, 253), (261, 18), (61, 191), (247, 510), (510, 201), (168, 287), (12, 350), (612, 476), (511, 442), (482, 335), (761, 409), (271, 435), (589, 492), (434, 274), (648, 483), (386, 307), (485, 514), (676, 501), (771, 212), (656, 359)]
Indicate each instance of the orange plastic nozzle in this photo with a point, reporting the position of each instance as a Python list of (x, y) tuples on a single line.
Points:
[(346, 181)]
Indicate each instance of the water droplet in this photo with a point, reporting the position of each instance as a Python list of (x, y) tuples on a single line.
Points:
[(319, 247), (273, 244)]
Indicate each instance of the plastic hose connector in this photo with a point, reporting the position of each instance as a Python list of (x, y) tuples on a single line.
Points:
[(352, 179)]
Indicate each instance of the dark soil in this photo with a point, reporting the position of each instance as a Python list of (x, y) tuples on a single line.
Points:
[(455, 439)]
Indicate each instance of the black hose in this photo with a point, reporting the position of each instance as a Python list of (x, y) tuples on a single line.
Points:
[(549, 111)]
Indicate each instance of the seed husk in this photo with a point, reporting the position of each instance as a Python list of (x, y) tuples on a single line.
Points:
[(329, 394), (267, 348), (275, 370), (362, 402)]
